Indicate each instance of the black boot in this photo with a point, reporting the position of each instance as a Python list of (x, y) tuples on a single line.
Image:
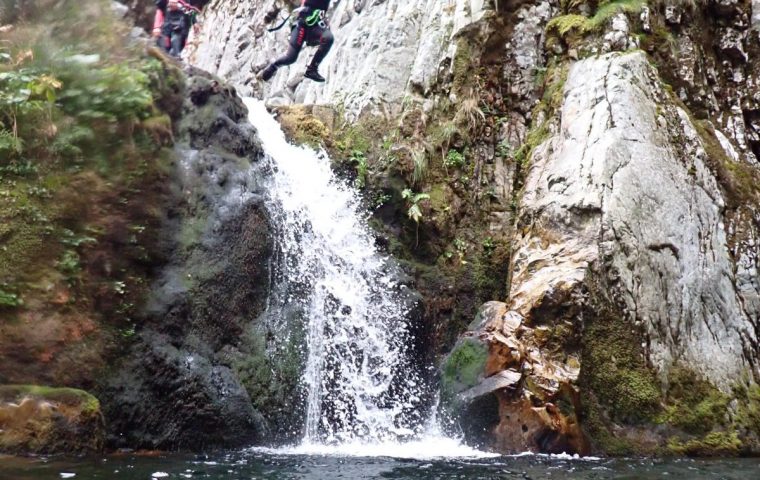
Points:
[(313, 74), (268, 72)]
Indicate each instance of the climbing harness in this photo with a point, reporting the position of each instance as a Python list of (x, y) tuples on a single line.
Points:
[(285, 20), (317, 17)]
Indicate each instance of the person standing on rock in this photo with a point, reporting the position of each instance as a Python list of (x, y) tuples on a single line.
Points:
[(311, 28), (172, 23)]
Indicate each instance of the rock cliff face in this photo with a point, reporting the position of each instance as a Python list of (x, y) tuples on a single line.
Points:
[(179, 376), (611, 147), (380, 49)]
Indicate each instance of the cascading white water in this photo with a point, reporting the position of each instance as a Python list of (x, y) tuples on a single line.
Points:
[(362, 387)]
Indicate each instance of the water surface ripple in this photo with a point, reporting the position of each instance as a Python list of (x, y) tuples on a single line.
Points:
[(256, 464)]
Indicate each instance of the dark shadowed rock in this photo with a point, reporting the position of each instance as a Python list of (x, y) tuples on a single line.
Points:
[(178, 387)]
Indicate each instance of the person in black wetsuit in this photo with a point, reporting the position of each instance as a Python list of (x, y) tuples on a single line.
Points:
[(311, 28), (173, 21)]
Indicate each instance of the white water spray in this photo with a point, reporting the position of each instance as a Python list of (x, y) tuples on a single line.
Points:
[(363, 392)]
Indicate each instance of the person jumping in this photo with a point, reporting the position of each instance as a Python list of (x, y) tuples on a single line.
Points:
[(311, 28)]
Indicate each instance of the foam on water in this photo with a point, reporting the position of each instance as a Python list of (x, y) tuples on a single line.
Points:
[(424, 448)]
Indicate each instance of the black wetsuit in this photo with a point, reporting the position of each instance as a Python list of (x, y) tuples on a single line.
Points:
[(311, 28)]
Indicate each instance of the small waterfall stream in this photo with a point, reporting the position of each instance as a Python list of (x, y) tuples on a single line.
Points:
[(364, 390)]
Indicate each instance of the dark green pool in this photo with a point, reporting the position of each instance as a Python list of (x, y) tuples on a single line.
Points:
[(271, 465)]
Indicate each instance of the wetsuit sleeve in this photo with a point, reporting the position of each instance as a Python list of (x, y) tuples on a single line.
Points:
[(158, 21)]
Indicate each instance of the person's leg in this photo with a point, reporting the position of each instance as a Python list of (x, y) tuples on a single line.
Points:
[(177, 38), (297, 38), (325, 44), (164, 41)]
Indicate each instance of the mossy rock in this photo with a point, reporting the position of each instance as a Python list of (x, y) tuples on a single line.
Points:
[(464, 367), (694, 405), (711, 445), (45, 420)]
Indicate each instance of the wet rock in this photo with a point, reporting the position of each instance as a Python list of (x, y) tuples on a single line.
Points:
[(44, 420), (179, 386), (524, 52), (728, 8), (520, 379), (164, 397), (503, 379)]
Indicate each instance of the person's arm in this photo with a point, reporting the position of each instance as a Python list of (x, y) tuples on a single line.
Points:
[(158, 20)]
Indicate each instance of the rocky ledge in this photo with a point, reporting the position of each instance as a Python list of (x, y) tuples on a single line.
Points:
[(44, 420)]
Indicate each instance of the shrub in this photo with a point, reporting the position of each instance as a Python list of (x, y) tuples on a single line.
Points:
[(454, 159)]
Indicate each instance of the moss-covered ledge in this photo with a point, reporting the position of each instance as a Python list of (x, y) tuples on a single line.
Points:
[(45, 420)]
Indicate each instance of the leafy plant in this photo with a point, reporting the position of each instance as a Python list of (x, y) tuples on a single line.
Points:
[(24, 92), (504, 149), (454, 159), (413, 200), (9, 300), (69, 262), (71, 239), (360, 160), (381, 199), (414, 211), (10, 145)]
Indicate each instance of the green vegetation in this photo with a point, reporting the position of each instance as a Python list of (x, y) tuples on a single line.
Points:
[(454, 159), (84, 127), (9, 299), (413, 200), (573, 26), (463, 367), (712, 444), (739, 180), (551, 101), (420, 161), (86, 402), (359, 159), (617, 373), (694, 405)]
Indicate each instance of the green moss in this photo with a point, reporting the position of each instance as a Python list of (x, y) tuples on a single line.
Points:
[(616, 382), (748, 415), (271, 376), (571, 27), (712, 444), (464, 366), (739, 180), (438, 198), (462, 64), (693, 405), (72, 397)]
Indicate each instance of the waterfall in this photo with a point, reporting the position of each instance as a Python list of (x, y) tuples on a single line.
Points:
[(362, 384)]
